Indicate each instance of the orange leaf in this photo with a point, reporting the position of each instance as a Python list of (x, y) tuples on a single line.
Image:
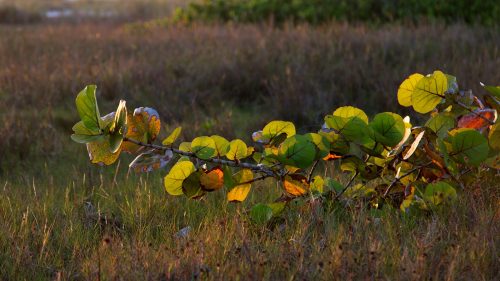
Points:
[(212, 180), (296, 185), (143, 125), (477, 119)]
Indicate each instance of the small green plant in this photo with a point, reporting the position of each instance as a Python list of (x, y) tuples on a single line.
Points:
[(387, 159)]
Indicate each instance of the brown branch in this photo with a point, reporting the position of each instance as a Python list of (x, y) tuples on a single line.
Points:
[(397, 179), (312, 171), (254, 167), (347, 186)]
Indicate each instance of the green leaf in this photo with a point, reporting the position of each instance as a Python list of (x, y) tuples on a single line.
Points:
[(494, 90), (469, 146), (191, 186), (353, 128), (333, 185), (388, 128), (241, 189), (297, 151), (261, 213), (321, 143), (173, 136), (83, 134), (351, 111), (275, 128), (151, 160), (441, 124), (203, 147), (118, 127), (494, 137), (86, 104), (429, 92), (440, 193), (406, 88), (174, 179), (237, 150)]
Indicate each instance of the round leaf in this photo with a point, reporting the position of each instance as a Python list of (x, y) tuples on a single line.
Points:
[(221, 145), (172, 137), (203, 147), (388, 128), (143, 125), (276, 128), (429, 92), (237, 150), (469, 146), (241, 189), (351, 111), (406, 88), (297, 151), (179, 172), (212, 180)]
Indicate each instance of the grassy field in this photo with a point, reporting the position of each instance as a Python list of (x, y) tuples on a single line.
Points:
[(61, 218)]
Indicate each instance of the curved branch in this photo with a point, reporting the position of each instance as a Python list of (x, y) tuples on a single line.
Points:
[(254, 167)]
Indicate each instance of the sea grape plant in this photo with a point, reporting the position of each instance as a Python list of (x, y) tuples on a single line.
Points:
[(386, 159)]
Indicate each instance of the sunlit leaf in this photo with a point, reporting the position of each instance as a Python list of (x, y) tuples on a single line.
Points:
[(478, 119), (237, 150), (118, 127), (240, 192), (221, 145), (494, 137), (212, 179), (173, 136), (441, 124), (321, 143), (387, 128), (414, 145), (86, 104), (142, 125), (151, 160), (297, 151), (179, 172), (440, 192), (296, 185), (100, 151), (429, 92), (275, 128), (352, 129), (203, 147), (317, 184), (406, 88), (469, 146), (185, 146), (351, 111)]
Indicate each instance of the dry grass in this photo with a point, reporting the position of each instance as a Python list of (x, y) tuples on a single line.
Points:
[(221, 79), (228, 80), (48, 233)]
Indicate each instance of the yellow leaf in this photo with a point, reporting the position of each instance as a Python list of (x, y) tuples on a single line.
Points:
[(179, 172), (429, 92), (296, 185), (240, 192), (406, 89), (172, 137)]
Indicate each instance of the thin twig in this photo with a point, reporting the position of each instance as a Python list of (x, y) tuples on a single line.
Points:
[(397, 179), (346, 187), (312, 171), (475, 113), (254, 167)]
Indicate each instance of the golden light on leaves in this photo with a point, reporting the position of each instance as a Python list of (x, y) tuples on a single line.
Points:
[(143, 125), (296, 185), (212, 179)]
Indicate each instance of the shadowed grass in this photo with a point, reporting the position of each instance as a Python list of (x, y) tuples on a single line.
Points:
[(85, 226)]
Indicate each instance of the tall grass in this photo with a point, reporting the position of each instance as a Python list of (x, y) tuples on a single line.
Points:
[(227, 79)]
